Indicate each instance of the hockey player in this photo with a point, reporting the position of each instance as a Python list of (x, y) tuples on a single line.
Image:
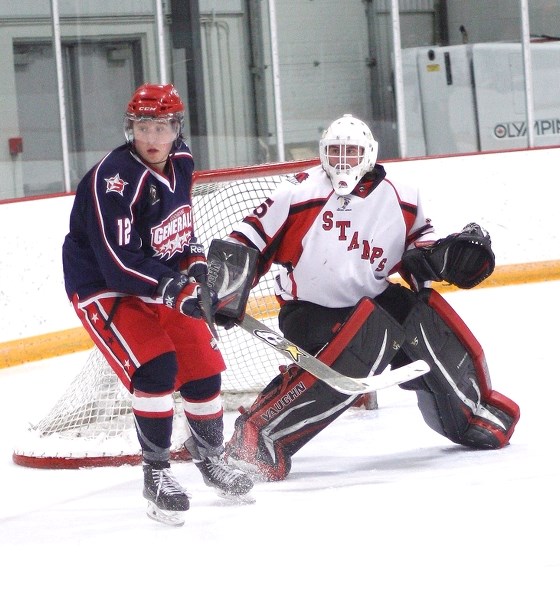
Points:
[(134, 272), (338, 231)]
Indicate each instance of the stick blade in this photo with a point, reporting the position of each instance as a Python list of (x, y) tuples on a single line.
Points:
[(397, 376), (388, 378), (341, 383)]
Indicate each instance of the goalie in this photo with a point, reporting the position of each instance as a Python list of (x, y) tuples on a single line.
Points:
[(338, 231)]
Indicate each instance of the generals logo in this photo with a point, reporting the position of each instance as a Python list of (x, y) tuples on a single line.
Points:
[(173, 234)]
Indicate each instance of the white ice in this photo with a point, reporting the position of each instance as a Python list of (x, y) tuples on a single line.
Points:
[(377, 506)]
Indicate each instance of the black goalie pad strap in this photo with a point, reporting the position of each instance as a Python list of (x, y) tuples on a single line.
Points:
[(296, 406), (231, 272)]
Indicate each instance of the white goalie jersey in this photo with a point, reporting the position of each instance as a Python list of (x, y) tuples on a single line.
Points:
[(333, 250)]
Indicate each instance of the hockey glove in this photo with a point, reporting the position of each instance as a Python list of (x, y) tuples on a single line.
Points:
[(183, 294), (225, 321), (464, 259), (194, 265)]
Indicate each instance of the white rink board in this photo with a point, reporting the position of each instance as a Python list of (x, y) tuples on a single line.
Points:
[(512, 194)]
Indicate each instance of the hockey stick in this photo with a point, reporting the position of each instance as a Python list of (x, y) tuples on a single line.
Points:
[(206, 305), (311, 364), (231, 270)]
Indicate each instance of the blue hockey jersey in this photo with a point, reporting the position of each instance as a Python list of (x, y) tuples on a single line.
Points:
[(129, 225)]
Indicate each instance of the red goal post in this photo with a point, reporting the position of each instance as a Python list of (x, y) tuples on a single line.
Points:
[(91, 424)]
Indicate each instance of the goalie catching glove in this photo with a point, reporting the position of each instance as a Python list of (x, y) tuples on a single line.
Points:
[(464, 259)]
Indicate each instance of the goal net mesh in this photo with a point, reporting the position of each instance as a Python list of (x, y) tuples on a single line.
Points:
[(92, 423)]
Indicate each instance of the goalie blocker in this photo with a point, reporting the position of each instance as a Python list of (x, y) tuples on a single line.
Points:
[(455, 398)]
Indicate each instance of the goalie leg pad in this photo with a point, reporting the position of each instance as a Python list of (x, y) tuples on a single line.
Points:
[(455, 398), (296, 406)]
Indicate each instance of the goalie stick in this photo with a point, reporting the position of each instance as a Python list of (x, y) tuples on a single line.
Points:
[(231, 270), (338, 381)]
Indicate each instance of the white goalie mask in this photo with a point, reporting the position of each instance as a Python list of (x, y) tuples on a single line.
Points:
[(348, 151)]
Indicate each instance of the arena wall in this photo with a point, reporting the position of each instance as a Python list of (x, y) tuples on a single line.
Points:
[(514, 195)]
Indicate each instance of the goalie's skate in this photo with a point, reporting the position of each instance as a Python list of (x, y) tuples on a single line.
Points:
[(167, 500)]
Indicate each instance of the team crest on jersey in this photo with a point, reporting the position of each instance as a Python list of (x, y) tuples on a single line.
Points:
[(116, 184), (152, 193), (344, 203), (297, 178), (173, 234)]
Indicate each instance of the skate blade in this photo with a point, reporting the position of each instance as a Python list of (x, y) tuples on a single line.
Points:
[(236, 498), (249, 469), (174, 518)]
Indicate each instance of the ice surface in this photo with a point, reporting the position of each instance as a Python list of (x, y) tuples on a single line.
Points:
[(377, 506)]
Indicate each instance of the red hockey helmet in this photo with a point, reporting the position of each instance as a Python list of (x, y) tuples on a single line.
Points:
[(154, 102)]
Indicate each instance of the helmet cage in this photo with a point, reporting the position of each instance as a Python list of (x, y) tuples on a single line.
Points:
[(348, 151)]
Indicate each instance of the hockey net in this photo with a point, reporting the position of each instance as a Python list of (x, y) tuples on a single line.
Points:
[(92, 422)]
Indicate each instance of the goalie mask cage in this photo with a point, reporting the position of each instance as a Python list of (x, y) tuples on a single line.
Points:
[(92, 423)]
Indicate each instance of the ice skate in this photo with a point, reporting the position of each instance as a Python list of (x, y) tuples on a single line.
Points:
[(167, 500), (228, 481)]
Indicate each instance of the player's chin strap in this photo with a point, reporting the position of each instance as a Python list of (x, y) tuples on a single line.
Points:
[(147, 162)]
